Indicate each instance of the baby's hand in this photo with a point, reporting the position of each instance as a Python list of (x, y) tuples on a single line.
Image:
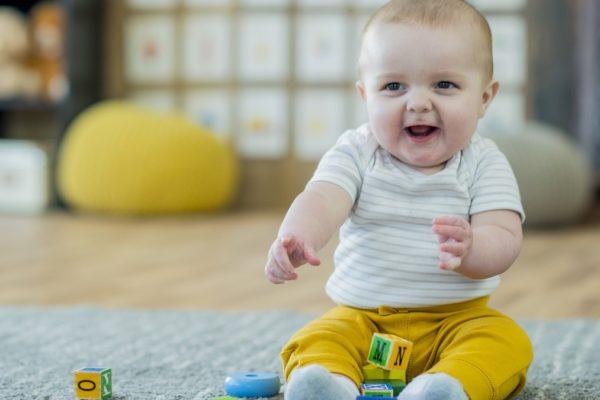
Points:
[(455, 237), (285, 255)]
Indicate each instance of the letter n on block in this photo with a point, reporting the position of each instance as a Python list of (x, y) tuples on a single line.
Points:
[(389, 352)]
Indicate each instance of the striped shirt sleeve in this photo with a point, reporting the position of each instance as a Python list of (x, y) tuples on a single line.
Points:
[(344, 163), (494, 184)]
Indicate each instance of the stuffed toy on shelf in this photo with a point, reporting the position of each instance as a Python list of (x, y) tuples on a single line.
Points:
[(17, 79), (47, 31)]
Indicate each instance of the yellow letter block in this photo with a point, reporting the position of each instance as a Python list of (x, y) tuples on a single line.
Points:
[(373, 373), (93, 383), (389, 351)]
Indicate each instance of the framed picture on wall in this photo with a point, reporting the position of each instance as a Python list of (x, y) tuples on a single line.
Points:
[(320, 119), (207, 3), (369, 4), (149, 49), (151, 4), (206, 47), (499, 5), (263, 46), (211, 109), (321, 3), (265, 3), (510, 57), (321, 48), (263, 123)]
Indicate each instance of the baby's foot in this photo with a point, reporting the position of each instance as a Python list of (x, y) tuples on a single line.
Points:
[(314, 382), (433, 387)]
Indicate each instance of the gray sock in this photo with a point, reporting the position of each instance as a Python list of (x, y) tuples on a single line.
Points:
[(314, 382), (433, 387)]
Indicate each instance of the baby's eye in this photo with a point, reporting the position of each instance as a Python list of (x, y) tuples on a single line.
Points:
[(445, 85), (393, 86)]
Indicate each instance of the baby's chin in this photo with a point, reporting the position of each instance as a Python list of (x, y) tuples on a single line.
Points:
[(429, 169)]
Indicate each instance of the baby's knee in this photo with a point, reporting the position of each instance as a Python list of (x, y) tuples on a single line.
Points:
[(520, 342)]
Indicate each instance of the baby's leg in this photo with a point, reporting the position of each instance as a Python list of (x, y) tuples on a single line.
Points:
[(488, 355), (314, 382), (338, 344)]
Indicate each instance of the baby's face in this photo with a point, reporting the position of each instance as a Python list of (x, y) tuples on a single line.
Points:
[(425, 91)]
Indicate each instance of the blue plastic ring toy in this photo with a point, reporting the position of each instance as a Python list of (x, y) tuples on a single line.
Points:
[(252, 384)]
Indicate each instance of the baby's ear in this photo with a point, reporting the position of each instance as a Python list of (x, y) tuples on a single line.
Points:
[(488, 95), (360, 87)]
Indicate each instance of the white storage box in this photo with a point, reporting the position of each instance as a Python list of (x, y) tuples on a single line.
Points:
[(24, 177)]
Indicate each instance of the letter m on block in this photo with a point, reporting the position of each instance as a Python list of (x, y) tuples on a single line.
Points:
[(379, 353), (389, 352)]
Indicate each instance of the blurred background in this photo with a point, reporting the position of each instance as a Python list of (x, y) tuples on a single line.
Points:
[(171, 196)]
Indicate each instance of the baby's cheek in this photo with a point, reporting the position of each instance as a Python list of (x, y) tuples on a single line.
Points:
[(463, 121), (383, 115), (385, 125)]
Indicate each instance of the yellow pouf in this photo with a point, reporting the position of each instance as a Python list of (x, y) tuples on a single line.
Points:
[(119, 158)]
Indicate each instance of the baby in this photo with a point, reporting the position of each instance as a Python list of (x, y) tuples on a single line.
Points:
[(431, 217)]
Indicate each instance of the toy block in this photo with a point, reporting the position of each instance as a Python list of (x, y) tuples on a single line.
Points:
[(93, 383), (397, 385), (372, 373), (389, 351), (377, 389)]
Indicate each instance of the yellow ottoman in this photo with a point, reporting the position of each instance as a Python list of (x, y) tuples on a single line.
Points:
[(119, 158)]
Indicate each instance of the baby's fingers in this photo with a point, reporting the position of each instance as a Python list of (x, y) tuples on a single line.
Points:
[(451, 265), (450, 220), (276, 274), (281, 258), (442, 238), (278, 271), (311, 257), (453, 247), (271, 275), (450, 231), (449, 261)]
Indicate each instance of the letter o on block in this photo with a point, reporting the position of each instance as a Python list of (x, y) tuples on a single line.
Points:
[(93, 383)]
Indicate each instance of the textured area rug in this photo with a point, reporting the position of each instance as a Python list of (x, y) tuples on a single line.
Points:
[(187, 354)]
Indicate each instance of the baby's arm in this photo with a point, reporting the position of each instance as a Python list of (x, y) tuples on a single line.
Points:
[(311, 221), (486, 247)]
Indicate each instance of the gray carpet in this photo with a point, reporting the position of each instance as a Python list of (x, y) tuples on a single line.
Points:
[(187, 354)]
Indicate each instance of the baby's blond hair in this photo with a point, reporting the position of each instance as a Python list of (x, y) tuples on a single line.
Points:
[(437, 14)]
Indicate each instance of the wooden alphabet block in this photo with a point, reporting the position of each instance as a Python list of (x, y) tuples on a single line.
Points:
[(377, 390), (389, 352), (93, 383), (397, 384), (374, 373)]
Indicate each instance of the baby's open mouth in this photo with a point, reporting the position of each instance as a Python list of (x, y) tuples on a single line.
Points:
[(420, 131)]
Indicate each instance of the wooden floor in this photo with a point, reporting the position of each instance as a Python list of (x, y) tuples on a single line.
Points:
[(217, 262)]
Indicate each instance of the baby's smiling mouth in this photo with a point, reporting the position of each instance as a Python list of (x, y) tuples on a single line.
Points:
[(420, 131)]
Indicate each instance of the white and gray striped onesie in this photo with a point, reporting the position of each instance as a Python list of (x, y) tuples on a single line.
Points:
[(388, 254)]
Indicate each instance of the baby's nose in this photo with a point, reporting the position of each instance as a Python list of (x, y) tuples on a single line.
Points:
[(419, 102)]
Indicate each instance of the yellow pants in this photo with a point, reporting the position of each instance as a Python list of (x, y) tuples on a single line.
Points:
[(482, 348)]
